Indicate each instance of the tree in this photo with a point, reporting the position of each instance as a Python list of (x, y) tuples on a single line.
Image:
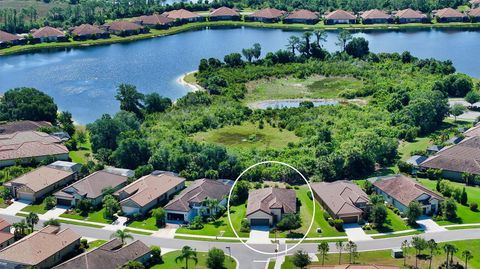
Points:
[(472, 97), (111, 206), (449, 209), (405, 247), (323, 249), (467, 255), (66, 122), (240, 192), (215, 258), (121, 235), (32, 219), (20, 229), (233, 59), (449, 250), (414, 211), (464, 197), (351, 247), (321, 36), (257, 50), (160, 215), (131, 153), (156, 103), (419, 244), (340, 247), (27, 104), (343, 37), (52, 222), (457, 110), (357, 47), (133, 265), (248, 54), (6, 194), (379, 214), (432, 246), (187, 254), (289, 221), (301, 259), (293, 43), (130, 99), (213, 206), (50, 202), (156, 253)]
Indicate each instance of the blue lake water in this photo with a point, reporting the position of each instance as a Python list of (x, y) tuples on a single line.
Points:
[(83, 80)]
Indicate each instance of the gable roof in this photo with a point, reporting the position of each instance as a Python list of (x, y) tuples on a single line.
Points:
[(449, 13), (48, 31), (41, 178), (416, 159), (303, 14), (268, 13), (39, 246), (4, 224), (180, 14), (404, 189), (272, 198), (224, 11), (123, 26), (110, 255), (31, 150), (375, 14), (92, 185), (149, 188), (410, 14), (87, 29), (197, 192), (155, 19), (474, 131), (27, 136), (462, 157), (340, 14), (474, 12), (340, 196), (7, 37), (22, 126)]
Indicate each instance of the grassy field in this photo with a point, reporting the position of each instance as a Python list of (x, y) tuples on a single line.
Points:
[(169, 261), (96, 216), (190, 78), (38, 208), (405, 148), (96, 243), (393, 223), (248, 136), (41, 7), (147, 224), (289, 88), (84, 152)]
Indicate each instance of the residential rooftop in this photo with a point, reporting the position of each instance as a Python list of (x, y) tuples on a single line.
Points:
[(223, 12), (375, 14), (340, 14), (41, 178), (155, 19), (272, 198), (268, 13), (87, 29), (48, 31), (22, 126), (341, 196), (410, 14), (303, 14), (448, 13), (181, 14)]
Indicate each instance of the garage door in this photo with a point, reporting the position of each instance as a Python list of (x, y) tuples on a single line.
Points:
[(353, 219), (259, 222), (64, 202), (175, 217), (25, 196)]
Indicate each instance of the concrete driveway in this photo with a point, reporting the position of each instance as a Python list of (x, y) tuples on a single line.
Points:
[(16, 207), (259, 235), (355, 232), (54, 213), (429, 225)]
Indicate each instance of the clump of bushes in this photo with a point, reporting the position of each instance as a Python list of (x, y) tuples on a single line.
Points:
[(245, 226), (474, 207)]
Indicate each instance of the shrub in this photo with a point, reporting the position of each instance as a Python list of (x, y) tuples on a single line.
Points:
[(338, 223), (404, 167), (474, 207), (196, 223), (326, 216), (245, 226), (50, 202), (330, 222)]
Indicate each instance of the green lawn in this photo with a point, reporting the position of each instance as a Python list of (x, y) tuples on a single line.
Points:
[(288, 88), (37, 207), (84, 152), (96, 243), (405, 148), (169, 261), (463, 227), (138, 232), (248, 136), (206, 239), (95, 216), (271, 264), (396, 235), (80, 223), (147, 224), (393, 223), (465, 215), (190, 78)]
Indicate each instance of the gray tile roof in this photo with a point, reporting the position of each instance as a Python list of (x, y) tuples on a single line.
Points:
[(341, 196)]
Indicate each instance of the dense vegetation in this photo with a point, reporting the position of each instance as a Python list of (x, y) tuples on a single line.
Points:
[(75, 12)]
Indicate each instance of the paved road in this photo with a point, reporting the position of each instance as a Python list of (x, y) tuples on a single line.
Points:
[(251, 260)]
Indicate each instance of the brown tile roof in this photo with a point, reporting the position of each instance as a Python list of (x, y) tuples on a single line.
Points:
[(48, 31), (110, 255), (474, 12), (269, 13), (449, 13), (224, 11), (22, 126), (340, 14), (123, 26), (4, 224), (149, 188), (375, 14), (41, 178), (39, 246), (4, 237), (462, 157), (181, 14), (87, 29), (303, 14), (197, 192), (272, 198), (92, 185), (474, 131), (341, 196), (31, 150), (404, 189), (154, 19), (410, 14), (27, 136), (7, 37)]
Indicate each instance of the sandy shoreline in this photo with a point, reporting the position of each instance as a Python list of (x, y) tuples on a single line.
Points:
[(194, 87)]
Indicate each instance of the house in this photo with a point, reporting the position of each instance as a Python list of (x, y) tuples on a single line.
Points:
[(88, 31), (410, 16), (149, 191), (341, 199), (266, 15), (7, 39), (124, 28), (189, 203), (49, 34), (92, 187), (156, 21), (474, 14), (302, 16), (42, 249), (416, 160), (375, 16), (400, 191), (6, 237), (112, 254), (267, 206), (449, 15), (28, 146), (457, 159), (433, 149), (22, 126), (340, 16), (42, 181), (182, 16), (224, 14)]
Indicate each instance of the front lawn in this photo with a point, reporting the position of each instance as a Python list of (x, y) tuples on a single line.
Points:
[(149, 223), (169, 261), (95, 216), (38, 208), (405, 148), (394, 223), (95, 243)]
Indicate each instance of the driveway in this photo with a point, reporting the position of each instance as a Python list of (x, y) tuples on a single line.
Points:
[(355, 232), (54, 213), (14, 208), (259, 235), (429, 225)]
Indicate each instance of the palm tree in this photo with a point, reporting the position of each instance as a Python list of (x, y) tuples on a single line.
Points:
[(32, 219), (352, 251), (214, 206), (467, 254), (419, 244), (187, 254), (321, 36), (433, 247), (20, 229), (293, 42), (343, 37), (405, 246), (323, 249), (121, 235), (307, 36), (449, 250), (340, 247)]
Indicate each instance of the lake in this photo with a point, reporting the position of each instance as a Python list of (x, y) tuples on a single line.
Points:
[(83, 80)]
